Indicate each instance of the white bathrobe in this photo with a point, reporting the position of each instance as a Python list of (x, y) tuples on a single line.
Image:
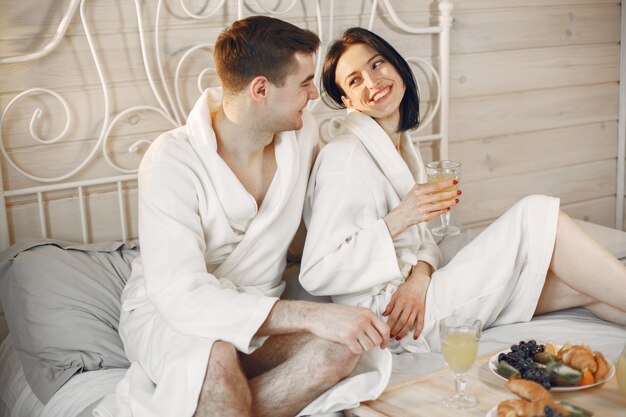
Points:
[(349, 254), (211, 262)]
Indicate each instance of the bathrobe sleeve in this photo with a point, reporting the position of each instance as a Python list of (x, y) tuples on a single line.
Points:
[(348, 246), (428, 251), (189, 298)]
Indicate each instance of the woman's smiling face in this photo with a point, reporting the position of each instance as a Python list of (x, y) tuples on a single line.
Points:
[(371, 84)]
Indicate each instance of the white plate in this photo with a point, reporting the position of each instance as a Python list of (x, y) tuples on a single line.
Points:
[(493, 412), (493, 365)]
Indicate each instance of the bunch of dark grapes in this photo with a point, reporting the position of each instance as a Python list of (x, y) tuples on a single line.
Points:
[(522, 358)]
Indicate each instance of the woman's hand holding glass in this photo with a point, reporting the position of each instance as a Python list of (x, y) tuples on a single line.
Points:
[(422, 203)]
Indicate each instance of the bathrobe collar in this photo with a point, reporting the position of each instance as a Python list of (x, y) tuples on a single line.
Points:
[(401, 172), (238, 205)]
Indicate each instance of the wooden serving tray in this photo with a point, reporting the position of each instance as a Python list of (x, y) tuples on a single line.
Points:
[(420, 397)]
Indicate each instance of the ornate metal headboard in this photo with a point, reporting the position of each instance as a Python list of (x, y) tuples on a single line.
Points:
[(38, 185)]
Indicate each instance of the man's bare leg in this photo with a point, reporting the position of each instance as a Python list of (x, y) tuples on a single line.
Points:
[(225, 390), (300, 368)]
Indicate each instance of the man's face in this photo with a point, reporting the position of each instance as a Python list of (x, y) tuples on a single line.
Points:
[(287, 103)]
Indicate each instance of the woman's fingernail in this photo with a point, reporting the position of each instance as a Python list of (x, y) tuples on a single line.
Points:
[(414, 337), (448, 209), (455, 182), (457, 200), (398, 338), (459, 192)]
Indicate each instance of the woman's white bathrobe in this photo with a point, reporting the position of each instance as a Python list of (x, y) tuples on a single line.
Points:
[(211, 262), (349, 254)]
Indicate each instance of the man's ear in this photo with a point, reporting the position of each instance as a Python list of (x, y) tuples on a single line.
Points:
[(259, 88), (346, 101)]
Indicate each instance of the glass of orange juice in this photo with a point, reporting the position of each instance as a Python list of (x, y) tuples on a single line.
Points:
[(621, 372), (459, 344)]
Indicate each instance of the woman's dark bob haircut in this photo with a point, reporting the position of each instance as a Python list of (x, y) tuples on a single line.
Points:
[(409, 106)]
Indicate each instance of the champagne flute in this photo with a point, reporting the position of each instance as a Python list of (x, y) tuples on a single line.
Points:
[(443, 171), (621, 372), (459, 344)]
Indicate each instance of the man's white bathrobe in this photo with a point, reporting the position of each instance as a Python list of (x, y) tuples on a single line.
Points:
[(211, 262), (349, 254)]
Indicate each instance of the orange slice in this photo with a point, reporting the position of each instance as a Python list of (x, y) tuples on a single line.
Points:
[(551, 348), (566, 346), (587, 378)]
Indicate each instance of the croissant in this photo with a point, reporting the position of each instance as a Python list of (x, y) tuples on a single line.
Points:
[(580, 358), (603, 367), (523, 408), (528, 390), (509, 408)]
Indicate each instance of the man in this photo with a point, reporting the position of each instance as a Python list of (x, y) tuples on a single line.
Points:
[(220, 200)]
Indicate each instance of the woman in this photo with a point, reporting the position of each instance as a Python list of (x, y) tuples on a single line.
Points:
[(367, 204)]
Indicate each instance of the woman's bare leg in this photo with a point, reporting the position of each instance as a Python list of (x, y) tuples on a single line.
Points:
[(556, 295), (583, 273)]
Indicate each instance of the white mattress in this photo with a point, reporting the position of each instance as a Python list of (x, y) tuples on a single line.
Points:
[(81, 391), (575, 325)]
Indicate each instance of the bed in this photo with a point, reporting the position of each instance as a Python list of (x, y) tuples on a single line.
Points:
[(68, 235)]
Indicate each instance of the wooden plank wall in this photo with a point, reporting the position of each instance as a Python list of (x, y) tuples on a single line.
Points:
[(535, 104), (534, 96)]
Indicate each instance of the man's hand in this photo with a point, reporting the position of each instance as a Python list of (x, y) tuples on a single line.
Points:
[(406, 307), (357, 328)]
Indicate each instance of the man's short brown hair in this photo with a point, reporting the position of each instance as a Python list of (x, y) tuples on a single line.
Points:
[(259, 45)]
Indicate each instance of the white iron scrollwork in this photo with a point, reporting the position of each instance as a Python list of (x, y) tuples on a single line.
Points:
[(168, 95)]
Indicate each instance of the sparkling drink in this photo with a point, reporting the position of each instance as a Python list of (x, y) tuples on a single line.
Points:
[(442, 171), (443, 177), (459, 343), (459, 350)]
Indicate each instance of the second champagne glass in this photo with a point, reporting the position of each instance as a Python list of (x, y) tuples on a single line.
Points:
[(459, 344), (442, 171)]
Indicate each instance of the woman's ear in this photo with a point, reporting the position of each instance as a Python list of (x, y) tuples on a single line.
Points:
[(346, 101)]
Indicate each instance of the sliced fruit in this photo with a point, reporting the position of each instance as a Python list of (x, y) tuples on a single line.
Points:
[(563, 376), (545, 358), (575, 411), (566, 346), (551, 348), (587, 378), (507, 370)]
